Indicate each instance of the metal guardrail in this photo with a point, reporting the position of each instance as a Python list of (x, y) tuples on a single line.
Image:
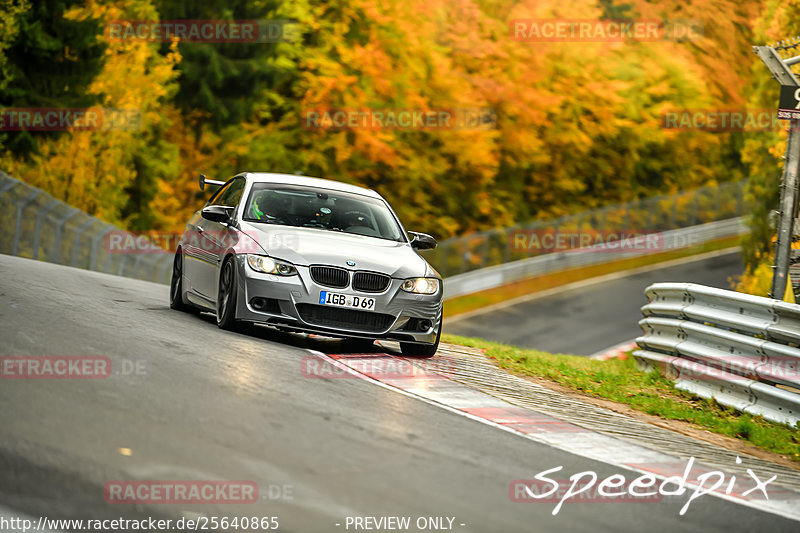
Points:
[(659, 213), (37, 226), (738, 349), (496, 276)]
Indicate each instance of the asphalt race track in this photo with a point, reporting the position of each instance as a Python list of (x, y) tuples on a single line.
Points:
[(186, 400), (585, 320)]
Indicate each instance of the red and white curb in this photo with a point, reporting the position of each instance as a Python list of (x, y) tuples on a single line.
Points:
[(618, 350), (435, 389)]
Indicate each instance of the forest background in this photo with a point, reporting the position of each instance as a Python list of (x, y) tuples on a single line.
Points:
[(575, 125)]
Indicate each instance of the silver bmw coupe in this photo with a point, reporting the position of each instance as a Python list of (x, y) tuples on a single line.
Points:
[(308, 255)]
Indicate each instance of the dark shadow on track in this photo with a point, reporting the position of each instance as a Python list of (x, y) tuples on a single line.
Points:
[(328, 345)]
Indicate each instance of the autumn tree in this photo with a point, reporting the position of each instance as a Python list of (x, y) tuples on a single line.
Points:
[(763, 151), (50, 62)]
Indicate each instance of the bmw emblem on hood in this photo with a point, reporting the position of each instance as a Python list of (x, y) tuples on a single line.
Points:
[(351, 263)]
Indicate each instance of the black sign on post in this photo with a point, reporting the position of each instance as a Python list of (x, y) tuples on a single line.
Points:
[(789, 104), (782, 72)]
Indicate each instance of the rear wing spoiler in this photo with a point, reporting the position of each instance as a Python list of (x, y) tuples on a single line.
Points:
[(202, 181)]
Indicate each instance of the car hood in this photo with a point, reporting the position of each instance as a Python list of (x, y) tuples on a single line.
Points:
[(308, 246)]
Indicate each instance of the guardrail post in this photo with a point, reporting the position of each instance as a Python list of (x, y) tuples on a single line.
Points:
[(136, 266), (156, 268), (56, 258), (18, 228), (485, 249), (788, 200), (603, 213), (100, 235), (78, 234), (739, 199), (167, 275), (464, 256), (627, 220), (107, 267), (784, 75), (37, 232), (122, 262)]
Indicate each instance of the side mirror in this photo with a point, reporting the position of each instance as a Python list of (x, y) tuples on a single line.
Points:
[(422, 241), (217, 213)]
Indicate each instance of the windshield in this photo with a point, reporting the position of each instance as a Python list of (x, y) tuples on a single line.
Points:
[(324, 209)]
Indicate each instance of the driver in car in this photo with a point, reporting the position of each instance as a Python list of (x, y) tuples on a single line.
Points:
[(268, 207)]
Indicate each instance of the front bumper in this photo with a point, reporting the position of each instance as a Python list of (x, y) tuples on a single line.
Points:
[(292, 302)]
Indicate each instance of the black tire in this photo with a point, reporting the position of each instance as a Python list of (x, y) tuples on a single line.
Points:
[(176, 287), (226, 296), (421, 350)]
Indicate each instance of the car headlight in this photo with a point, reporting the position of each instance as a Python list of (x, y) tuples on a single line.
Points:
[(421, 285), (268, 265)]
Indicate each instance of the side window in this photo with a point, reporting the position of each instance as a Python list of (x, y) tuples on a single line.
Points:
[(230, 196)]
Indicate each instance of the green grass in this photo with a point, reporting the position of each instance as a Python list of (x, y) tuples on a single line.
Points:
[(620, 380)]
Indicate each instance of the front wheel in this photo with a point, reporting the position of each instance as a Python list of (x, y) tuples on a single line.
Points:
[(226, 296), (421, 350), (176, 286)]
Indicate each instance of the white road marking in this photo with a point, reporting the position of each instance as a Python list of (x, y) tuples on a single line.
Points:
[(583, 443)]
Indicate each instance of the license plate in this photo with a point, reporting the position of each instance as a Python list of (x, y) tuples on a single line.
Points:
[(365, 303)]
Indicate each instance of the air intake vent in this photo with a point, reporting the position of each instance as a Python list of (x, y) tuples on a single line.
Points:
[(370, 282), (330, 276), (333, 317), (265, 305)]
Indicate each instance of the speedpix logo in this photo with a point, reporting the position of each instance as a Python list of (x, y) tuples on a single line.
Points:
[(588, 487)]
